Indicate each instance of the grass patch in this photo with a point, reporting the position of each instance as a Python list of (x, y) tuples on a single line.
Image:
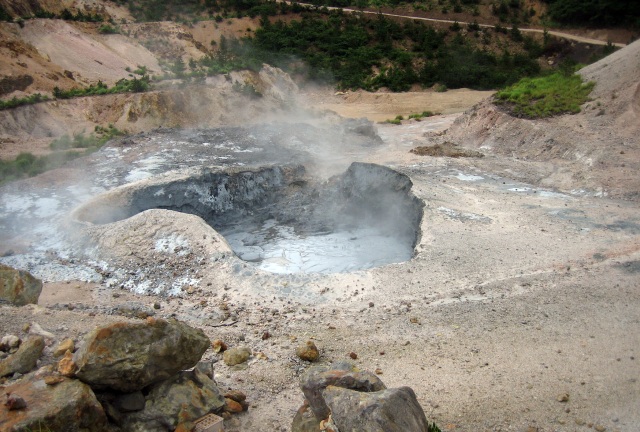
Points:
[(417, 116), (545, 96)]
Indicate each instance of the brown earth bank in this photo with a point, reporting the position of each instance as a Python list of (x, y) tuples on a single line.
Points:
[(596, 150)]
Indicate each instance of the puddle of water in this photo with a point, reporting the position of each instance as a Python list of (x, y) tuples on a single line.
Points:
[(468, 177), (279, 249)]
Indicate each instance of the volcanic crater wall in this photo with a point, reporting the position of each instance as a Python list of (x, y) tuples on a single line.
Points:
[(366, 195)]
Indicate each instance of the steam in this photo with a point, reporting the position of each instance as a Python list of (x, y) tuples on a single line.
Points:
[(271, 131)]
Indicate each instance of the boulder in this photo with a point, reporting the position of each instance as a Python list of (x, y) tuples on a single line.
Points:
[(67, 406), (25, 359), (130, 356), (18, 287), (179, 400), (390, 410), (340, 374)]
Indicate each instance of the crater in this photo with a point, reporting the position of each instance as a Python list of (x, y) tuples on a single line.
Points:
[(280, 219)]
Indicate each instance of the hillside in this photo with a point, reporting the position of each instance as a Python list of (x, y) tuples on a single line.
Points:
[(597, 149)]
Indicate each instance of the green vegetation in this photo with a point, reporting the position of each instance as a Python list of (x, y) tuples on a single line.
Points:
[(91, 142), (360, 52), (432, 427), (246, 89), (134, 85), (108, 29), (28, 100), (423, 114), (67, 15), (595, 13), (65, 150), (416, 116), (4, 15), (546, 96)]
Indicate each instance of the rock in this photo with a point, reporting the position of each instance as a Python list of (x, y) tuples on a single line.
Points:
[(206, 367), (564, 397), (69, 406), (63, 347), (130, 402), (353, 355), (218, 346), (305, 421), (232, 406), (25, 359), (179, 400), (66, 365), (35, 329), (128, 357), (340, 374), (236, 356), (18, 287), (391, 410), (15, 402), (9, 342), (308, 352), (236, 395)]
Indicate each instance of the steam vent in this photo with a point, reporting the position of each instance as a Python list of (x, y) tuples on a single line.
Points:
[(282, 221)]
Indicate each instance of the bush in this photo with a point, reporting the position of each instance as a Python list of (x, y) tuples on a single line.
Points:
[(545, 96), (107, 29), (133, 85), (29, 100), (66, 149)]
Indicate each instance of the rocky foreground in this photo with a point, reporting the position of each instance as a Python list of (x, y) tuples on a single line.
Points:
[(149, 376)]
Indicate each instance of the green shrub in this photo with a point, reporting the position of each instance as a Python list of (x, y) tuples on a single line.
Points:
[(545, 96), (65, 149), (247, 90), (107, 29), (29, 100)]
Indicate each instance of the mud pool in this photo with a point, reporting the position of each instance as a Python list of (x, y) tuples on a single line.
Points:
[(282, 220), (279, 249)]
